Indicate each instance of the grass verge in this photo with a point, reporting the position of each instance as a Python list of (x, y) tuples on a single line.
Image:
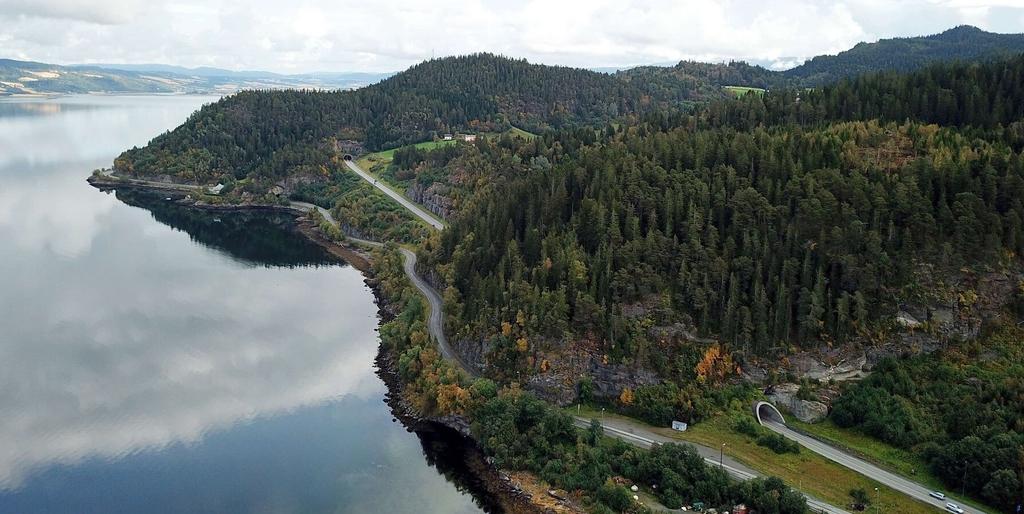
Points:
[(897, 460)]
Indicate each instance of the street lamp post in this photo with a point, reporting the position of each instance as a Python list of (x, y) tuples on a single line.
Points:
[(721, 456), (877, 506)]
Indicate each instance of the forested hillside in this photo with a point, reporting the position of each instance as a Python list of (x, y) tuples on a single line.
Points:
[(980, 96), (691, 81), (765, 238), (272, 134), (695, 81), (269, 135), (963, 43), (769, 224), (744, 224)]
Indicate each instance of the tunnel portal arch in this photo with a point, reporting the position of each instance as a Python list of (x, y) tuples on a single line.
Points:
[(765, 411), (348, 157)]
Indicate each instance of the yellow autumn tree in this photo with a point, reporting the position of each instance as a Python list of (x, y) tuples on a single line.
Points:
[(714, 365), (452, 399), (522, 345), (627, 396)]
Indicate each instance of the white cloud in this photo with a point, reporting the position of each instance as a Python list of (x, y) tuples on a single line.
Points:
[(93, 11), (345, 35)]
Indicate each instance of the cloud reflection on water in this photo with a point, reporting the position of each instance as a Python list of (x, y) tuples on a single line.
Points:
[(110, 363)]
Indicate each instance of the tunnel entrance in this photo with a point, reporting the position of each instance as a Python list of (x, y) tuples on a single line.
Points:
[(348, 157), (767, 412)]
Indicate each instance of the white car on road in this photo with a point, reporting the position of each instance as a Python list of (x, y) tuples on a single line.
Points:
[(952, 507), (936, 494)]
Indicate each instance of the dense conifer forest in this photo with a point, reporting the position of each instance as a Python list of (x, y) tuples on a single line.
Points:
[(743, 223), (774, 223)]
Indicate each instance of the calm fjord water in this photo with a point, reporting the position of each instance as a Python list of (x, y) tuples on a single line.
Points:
[(156, 359)]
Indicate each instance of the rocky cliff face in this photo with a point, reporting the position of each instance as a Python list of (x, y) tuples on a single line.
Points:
[(473, 353), (610, 380), (808, 411), (435, 198)]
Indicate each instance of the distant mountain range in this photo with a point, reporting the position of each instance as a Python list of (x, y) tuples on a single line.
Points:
[(25, 77), (687, 80), (963, 43), (691, 80)]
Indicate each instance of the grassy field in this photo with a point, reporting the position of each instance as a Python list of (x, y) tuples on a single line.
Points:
[(807, 471), (739, 91), (372, 160), (518, 132), (384, 158)]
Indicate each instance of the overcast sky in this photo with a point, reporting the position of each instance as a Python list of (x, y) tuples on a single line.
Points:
[(343, 35)]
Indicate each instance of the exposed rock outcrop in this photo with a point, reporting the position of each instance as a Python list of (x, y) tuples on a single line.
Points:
[(831, 365), (472, 352), (435, 198), (808, 411), (609, 380), (552, 388)]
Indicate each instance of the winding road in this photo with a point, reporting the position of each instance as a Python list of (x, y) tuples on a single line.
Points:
[(435, 323)]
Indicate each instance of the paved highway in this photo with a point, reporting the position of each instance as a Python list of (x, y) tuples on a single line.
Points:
[(896, 482), (412, 207)]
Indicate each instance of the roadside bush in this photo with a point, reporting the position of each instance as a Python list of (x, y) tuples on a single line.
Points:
[(747, 426), (860, 496), (615, 496), (774, 442), (778, 443)]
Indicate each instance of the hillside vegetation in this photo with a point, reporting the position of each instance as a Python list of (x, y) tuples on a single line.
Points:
[(959, 410), (769, 235), (767, 223), (273, 134)]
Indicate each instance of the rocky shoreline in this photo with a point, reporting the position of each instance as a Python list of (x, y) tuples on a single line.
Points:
[(493, 488)]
